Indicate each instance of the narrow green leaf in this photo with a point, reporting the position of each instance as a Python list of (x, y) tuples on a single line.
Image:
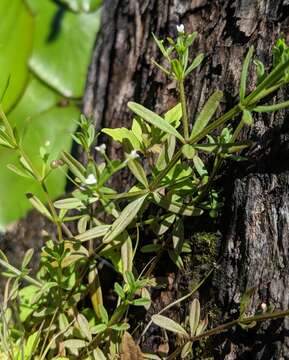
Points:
[(195, 313), (129, 279), (161, 46), (71, 259), (186, 350), (260, 69), (276, 74), (97, 329), (246, 300), (176, 259), (244, 74), (177, 69), (138, 171), (27, 257), (120, 327), (272, 108), (150, 248), (228, 147), (84, 326), (125, 218), (98, 354), (174, 115), (141, 302), (38, 205), (188, 151), (6, 140), (93, 233), (169, 324), (159, 228), (119, 290), (103, 314), (178, 235), (75, 344), (247, 117), (119, 134), (127, 255), (69, 203), (72, 203), (74, 166), (196, 62), (83, 223), (31, 345), (166, 153), (62, 321), (177, 208), (19, 172), (200, 166), (26, 165), (154, 119), (202, 326), (160, 67), (3, 256), (206, 113)]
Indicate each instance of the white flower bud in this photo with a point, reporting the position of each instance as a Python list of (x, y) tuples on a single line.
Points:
[(101, 148), (90, 180), (180, 28)]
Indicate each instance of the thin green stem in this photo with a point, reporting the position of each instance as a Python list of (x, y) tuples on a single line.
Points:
[(184, 110), (245, 321), (125, 195), (218, 163), (53, 211), (196, 288), (42, 183), (156, 182), (19, 273), (7, 125), (217, 123)]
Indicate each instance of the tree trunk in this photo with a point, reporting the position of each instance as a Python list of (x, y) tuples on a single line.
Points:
[(254, 246)]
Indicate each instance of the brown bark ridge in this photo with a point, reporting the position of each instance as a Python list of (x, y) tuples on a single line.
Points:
[(255, 243)]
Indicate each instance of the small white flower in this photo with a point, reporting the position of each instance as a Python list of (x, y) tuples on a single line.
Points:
[(90, 180), (180, 28), (264, 307), (133, 155), (101, 148), (47, 143)]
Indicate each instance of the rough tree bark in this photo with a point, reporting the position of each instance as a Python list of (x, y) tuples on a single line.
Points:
[(255, 227)]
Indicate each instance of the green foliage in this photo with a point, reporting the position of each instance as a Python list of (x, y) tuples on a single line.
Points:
[(15, 52), (61, 55), (58, 53), (62, 312)]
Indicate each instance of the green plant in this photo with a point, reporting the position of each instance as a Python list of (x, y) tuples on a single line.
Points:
[(61, 314)]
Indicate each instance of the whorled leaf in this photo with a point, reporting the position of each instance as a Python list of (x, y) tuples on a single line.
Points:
[(154, 119), (127, 215), (169, 324), (206, 113)]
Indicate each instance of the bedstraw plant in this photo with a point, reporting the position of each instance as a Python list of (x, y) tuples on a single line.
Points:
[(61, 313)]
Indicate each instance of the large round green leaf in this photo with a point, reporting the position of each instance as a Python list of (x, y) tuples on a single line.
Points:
[(82, 5), (36, 99), (62, 46), (39, 119), (16, 35)]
